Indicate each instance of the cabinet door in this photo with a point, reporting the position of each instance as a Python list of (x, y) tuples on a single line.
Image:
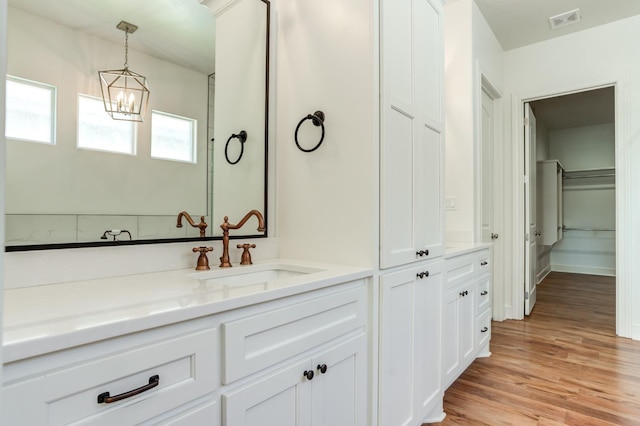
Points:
[(282, 399), (411, 131), (458, 332), (410, 384), (339, 389), (428, 312)]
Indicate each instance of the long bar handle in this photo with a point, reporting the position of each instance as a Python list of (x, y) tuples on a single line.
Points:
[(106, 398)]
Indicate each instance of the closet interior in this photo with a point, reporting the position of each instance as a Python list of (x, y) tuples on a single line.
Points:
[(575, 183)]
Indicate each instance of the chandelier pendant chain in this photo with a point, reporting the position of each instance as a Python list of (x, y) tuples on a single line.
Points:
[(126, 49)]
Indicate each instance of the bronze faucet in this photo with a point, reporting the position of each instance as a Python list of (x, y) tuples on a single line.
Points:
[(224, 259), (202, 225)]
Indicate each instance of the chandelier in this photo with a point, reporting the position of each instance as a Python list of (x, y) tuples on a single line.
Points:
[(125, 93)]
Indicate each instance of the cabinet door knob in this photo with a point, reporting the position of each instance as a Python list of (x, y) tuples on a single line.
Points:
[(422, 274), (464, 293), (308, 374), (484, 293), (484, 330), (423, 253), (322, 368), (494, 236), (484, 263)]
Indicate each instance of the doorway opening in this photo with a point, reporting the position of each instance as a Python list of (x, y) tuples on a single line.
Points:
[(569, 187)]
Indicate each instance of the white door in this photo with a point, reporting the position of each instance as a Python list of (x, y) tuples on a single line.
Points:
[(530, 256), (487, 220)]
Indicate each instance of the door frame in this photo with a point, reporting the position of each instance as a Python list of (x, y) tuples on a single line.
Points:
[(624, 324)]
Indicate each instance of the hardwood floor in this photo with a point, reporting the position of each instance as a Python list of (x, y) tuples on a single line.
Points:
[(563, 365)]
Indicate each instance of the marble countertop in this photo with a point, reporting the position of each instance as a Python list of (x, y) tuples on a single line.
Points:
[(48, 318)]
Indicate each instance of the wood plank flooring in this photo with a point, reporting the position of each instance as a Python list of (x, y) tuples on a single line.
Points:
[(563, 365)]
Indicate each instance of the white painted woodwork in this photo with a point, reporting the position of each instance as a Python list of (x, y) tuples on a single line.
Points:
[(412, 129), (530, 256), (287, 397), (458, 332), (291, 335), (487, 165), (255, 342), (410, 312), (466, 312), (552, 201), (186, 366)]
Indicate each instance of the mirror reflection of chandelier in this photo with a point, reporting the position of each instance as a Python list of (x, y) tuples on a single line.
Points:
[(125, 93)]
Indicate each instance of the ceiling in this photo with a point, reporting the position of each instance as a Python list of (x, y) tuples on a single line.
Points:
[(180, 31), (517, 23), (577, 109)]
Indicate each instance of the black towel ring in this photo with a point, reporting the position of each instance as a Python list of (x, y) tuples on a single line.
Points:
[(242, 137), (318, 120)]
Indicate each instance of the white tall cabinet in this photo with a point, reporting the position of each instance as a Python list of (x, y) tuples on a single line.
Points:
[(412, 131), (411, 216)]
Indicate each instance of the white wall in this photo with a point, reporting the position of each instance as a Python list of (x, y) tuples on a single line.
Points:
[(3, 71), (471, 51), (588, 203), (590, 58), (327, 200)]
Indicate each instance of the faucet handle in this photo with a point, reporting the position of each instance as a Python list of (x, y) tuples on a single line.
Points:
[(246, 255), (203, 261)]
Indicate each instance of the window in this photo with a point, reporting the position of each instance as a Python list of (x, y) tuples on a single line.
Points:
[(30, 110), (173, 137), (97, 130)]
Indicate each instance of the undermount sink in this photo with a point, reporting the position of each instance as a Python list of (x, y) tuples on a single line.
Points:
[(254, 274)]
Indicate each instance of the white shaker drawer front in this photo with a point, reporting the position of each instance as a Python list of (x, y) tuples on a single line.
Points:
[(259, 341), (484, 329), (484, 261), (124, 388), (484, 296), (460, 269)]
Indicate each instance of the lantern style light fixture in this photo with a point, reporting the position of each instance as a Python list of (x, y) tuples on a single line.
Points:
[(125, 93)]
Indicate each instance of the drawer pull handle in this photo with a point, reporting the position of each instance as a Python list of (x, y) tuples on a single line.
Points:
[(322, 368), (485, 263), (423, 253), (106, 398), (308, 374), (464, 293), (422, 274), (484, 293), (484, 330)]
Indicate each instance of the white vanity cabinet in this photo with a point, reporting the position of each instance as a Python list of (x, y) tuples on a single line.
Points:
[(466, 321), (410, 334), (296, 360), (77, 386), (324, 379), (412, 131)]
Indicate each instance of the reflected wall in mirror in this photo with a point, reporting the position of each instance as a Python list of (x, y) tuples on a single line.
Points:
[(206, 73)]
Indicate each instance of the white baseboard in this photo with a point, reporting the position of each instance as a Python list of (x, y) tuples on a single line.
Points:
[(543, 274), (579, 269)]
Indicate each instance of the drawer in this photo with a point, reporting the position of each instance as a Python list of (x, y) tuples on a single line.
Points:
[(186, 368), (460, 269), (260, 341), (484, 261), (484, 294), (484, 329)]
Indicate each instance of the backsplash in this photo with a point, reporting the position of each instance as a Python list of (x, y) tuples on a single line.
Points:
[(42, 267)]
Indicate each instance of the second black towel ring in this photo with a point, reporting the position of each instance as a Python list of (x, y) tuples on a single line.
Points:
[(242, 137), (318, 120)]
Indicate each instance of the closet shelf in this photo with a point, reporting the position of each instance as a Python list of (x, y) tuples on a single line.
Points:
[(606, 172)]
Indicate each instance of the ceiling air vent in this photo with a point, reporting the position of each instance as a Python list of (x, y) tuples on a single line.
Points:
[(564, 19)]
